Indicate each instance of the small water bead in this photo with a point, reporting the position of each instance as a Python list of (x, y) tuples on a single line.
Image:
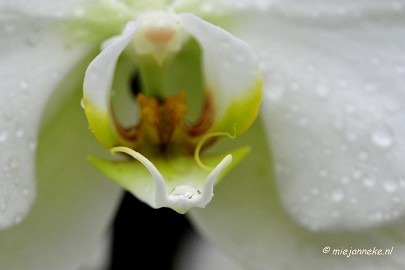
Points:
[(362, 155), (382, 138), (337, 195), (357, 174), (32, 146), (82, 104), (322, 91), (368, 182), (13, 164), (390, 187), (25, 192), (23, 85), (3, 135), (345, 180), (17, 219), (19, 133)]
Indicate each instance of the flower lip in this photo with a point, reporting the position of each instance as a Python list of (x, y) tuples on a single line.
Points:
[(182, 197)]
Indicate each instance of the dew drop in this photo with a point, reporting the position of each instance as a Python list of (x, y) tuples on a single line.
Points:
[(23, 85), (322, 91), (188, 195), (345, 180), (17, 219), (25, 192), (337, 195), (367, 182), (376, 215), (82, 104), (390, 187), (19, 133), (362, 155), (382, 138), (32, 146), (13, 164), (357, 174), (3, 135)]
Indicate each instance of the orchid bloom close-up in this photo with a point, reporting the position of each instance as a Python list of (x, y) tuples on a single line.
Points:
[(289, 112)]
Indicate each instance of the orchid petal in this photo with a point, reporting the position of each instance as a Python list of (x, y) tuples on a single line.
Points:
[(28, 77), (231, 75), (334, 78), (98, 83), (247, 221), (75, 204)]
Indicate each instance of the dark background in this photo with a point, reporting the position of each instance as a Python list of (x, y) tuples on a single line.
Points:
[(146, 238)]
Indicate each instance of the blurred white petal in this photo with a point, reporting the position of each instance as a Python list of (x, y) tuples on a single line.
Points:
[(247, 220), (35, 56), (334, 95), (74, 206)]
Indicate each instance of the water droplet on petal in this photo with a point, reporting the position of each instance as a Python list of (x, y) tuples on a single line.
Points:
[(17, 219), (390, 187), (3, 135), (25, 192), (19, 133), (23, 85), (362, 155), (337, 195), (368, 182), (322, 91), (382, 138), (32, 146), (82, 104), (13, 164)]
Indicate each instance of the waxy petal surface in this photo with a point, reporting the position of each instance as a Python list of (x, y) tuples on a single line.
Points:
[(35, 56)]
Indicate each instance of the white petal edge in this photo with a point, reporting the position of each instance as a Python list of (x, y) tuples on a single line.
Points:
[(334, 95), (29, 76), (247, 221), (100, 73), (230, 67)]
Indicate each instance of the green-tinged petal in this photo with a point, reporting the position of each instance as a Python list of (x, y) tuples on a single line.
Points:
[(179, 183), (334, 107), (28, 77), (246, 219), (97, 87), (74, 205), (231, 75)]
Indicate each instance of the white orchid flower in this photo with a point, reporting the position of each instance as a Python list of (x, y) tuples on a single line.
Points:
[(331, 130)]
